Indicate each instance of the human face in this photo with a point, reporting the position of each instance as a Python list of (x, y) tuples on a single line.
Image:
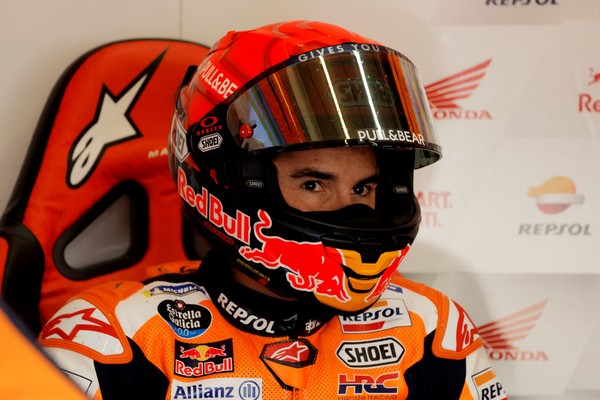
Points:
[(327, 179)]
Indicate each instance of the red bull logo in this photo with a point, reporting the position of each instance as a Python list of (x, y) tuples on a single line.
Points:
[(312, 267), (202, 352), (194, 360)]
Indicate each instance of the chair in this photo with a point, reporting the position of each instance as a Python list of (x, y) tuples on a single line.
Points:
[(94, 200)]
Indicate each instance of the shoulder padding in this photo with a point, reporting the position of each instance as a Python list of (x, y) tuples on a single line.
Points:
[(455, 334), (87, 324)]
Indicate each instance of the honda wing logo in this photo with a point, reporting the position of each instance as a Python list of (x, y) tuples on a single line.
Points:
[(445, 94), (499, 336)]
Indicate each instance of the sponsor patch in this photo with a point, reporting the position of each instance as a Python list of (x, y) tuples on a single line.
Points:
[(370, 353), (385, 314), (194, 360), (488, 386), (187, 320), (363, 384), (296, 353), (218, 388), (177, 290), (82, 323)]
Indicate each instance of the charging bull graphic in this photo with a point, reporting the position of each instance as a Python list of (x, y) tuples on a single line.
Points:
[(315, 268), (310, 266), (202, 352)]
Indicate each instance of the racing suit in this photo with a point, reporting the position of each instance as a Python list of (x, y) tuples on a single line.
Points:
[(208, 337)]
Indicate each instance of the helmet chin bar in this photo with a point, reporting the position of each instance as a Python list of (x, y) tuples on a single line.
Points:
[(359, 228)]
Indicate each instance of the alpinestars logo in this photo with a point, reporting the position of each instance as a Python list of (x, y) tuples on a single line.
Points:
[(445, 94), (499, 337), (111, 125)]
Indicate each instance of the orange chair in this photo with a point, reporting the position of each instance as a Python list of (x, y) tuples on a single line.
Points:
[(94, 200)]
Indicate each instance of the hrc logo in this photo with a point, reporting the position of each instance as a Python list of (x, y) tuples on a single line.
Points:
[(359, 384)]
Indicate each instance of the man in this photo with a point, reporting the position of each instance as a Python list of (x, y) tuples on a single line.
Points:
[(293, 148)]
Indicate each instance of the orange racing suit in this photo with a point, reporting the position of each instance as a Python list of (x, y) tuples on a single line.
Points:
[(208, 338)]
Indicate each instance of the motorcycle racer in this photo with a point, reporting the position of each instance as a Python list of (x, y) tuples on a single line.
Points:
[(292, 148)]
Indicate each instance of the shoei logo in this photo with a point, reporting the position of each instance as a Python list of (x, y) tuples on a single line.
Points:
[(499, 337), (587, 101), (371, 353), (210, 142), (555, 195), (445, 94)]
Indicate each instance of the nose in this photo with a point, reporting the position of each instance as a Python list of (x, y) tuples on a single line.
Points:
[(346, 197), (342, 199)]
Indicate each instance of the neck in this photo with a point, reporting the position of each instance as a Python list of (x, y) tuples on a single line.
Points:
[(258, 310), (251, 284)]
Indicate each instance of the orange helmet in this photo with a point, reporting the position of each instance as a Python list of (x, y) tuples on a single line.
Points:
[(294, 86)]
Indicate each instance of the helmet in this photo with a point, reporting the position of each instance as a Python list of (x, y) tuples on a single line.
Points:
[(295, 86)]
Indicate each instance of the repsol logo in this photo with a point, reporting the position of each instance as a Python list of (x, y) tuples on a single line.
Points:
[(243, 317), (521, 2), (371, 353), (555, 230)]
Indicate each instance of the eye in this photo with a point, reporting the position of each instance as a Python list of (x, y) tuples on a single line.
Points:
[(311, 186), (363, 189)]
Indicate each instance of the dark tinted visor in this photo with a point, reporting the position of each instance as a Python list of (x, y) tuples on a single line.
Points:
[(347, 97)]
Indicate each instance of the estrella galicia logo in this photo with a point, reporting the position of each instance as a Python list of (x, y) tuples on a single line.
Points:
[(187, 320)]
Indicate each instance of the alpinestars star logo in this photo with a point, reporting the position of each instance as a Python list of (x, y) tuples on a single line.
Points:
[(67, 326), (294, 353), (499, 337), (111, 125), (445, 94)]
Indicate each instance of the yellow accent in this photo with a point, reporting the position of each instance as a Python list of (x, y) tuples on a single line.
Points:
[(353, 260), (556, 184), (485, 377), (363, 284)]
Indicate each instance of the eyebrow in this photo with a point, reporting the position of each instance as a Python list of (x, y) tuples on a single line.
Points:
[(312, 173), (318, 174)]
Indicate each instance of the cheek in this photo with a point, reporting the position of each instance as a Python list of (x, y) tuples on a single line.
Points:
[(368, 200), (293, 196)]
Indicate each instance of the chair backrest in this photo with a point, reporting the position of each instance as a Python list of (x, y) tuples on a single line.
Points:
[(94, 200)]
